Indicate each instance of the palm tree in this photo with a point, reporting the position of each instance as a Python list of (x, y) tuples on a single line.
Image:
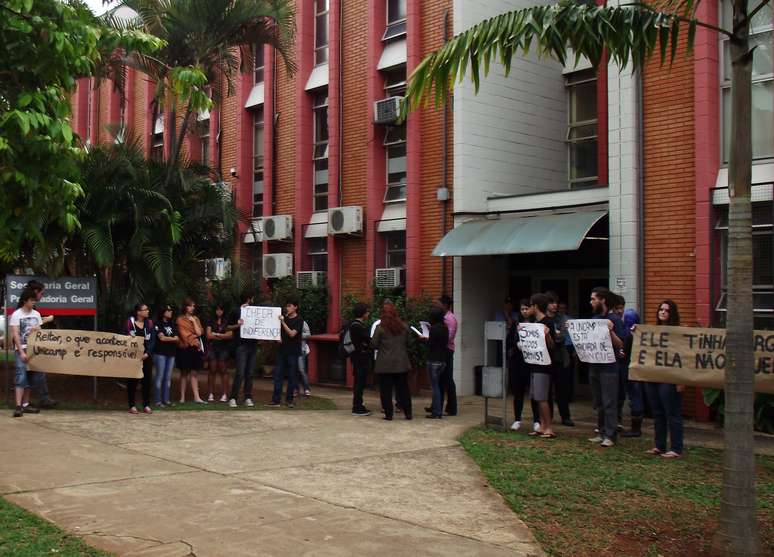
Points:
[(213, 36), (633, 33)]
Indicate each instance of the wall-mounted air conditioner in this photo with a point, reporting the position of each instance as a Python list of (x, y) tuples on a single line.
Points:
[(309, 279), (345, 220), (391, 277), (278, 227), (387, 111), (277, 265)]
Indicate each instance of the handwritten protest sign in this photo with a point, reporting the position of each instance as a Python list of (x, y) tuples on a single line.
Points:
[(591, 340), (694, 356), (85, 353), (260, 323), (532, 338)]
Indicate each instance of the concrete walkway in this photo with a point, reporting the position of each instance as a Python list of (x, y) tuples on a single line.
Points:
[(259, 483)]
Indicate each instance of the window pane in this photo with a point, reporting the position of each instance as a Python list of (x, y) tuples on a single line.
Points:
[(320, 125), (396, 10), (321, 6), (762, 120), (762, 258), (762, 19), (321, 31), (205, 141), (583, 102), (317, 246), (583, 159), (762, 59), (395, 134), (583, 132), (394, 30), (395, 193)]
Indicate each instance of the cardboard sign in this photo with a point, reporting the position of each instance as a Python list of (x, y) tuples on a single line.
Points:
[(532, 341), (75, 295), (85, 353), (591, 340), (261, 323), (694, 356)]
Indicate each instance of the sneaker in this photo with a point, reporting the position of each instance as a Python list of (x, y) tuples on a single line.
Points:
[(516, 426), (169, 404), (307, 393), (433, 417), (249, 402), (147, 410), (536, 426), (568, 423), (597, 439), (272, 404), (291, 405), (211, 398), (596, 430), (361, 413), (608, 443), (48, 404), (224, 398), (429, 409), (19, 412), (159, 405), (232, 403), (29, 409), (133, 410)]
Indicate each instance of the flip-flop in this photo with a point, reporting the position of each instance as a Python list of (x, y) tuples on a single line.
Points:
[(548, 436), (654, 451), (535, 433), (670, 454)]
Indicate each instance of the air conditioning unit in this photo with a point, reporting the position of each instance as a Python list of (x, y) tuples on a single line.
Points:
[(279, 227), (345, 220), (387, 111), (277, 265), (217, 268), (392, 277), (309, 279)]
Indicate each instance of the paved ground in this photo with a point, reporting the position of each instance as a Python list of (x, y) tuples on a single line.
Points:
[(259, 483)]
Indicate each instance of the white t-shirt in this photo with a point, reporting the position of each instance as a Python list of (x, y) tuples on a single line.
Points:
[(25, 320)]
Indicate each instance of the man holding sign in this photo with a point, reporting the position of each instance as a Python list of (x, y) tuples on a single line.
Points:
[(535, 341), (246, 351), (291, 329)]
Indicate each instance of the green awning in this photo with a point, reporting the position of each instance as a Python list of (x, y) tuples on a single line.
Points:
[(535, 234)]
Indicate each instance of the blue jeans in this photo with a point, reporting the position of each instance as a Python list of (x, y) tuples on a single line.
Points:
[(435, 372), (163, 380), (635, 390), (302, 373), (287, 364), (24, 378), (245, 364), (604, 387), (667, 406)]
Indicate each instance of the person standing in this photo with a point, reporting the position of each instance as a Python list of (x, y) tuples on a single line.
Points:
[(623, 367), (438, 346), (22, 322), (541, 375), (306, 332), (218, 351), (139, 326), (190, 350), (392, 362), (604, 377), (291, 331), (246, 353), (666, 400), (562, 377), (164, 351), (39, 381), (634, 389), (519, 371), (448, 387), (361, 357)]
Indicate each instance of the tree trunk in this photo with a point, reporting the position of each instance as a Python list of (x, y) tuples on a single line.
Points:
[(737, 533)]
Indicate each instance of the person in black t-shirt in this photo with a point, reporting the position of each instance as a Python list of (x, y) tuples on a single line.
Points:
[(291, 330), (361, 357), (246, 352), (541, 375)]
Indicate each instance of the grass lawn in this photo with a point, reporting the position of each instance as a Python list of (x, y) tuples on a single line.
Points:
[(582, 500), (25, 535)]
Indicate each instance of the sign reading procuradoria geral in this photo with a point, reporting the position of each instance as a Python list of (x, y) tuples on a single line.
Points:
[(77, 295)]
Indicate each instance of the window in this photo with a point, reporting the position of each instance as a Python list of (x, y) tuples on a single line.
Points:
[(762, 83), (258, 163), (257, 261), (395, 143), (396, 249), (318, 254), (582, 128), (763, 265), (89, 115), (204, 140), (320, 155), (395, 82), (396, 19), (321, 31), (258, 63)]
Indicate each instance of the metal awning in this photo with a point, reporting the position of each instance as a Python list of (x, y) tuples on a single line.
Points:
[(318, 225), (394, 54), (393, 218), (534, 234), (318, 78), (256, 96)]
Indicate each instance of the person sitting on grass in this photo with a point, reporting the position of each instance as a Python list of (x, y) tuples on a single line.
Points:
[(23, 321)]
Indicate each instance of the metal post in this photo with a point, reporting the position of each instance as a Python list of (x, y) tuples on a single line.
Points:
[(94, 386)]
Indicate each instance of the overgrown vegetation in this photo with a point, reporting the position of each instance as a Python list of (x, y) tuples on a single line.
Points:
[(763, 408)]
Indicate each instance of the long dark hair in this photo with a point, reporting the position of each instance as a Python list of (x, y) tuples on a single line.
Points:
[(674, 313), (391, 321), (137, 308), (436, 316)]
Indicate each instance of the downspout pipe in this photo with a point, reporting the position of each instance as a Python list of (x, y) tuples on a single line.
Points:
[(639, 88), (445, 164)]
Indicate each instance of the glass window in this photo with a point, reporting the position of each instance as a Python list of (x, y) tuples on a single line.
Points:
[(395, 82), (396, 249), (582, 128), (762, 79), (321, 31), (258, 163), (317, 248), (257, 260), (157, 146), (258, 63), (204, 140), (396, 19), (320, 154), (395, 143)]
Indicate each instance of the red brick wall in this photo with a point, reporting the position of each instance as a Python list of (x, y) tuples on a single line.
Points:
[(669, 202)]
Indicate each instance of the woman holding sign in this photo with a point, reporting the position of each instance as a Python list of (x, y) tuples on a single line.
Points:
[(140, 326), (190, 349), (667, 400)]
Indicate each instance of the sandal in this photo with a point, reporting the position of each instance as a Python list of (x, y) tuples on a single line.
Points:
[(654, 451), (548, 436), (535, 433), (133, 410), (670, 454)]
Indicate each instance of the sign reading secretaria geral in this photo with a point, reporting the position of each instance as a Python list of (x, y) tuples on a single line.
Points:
[(63, 293)]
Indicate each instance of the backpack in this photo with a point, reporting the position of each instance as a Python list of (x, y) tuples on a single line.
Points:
[(346, 347)]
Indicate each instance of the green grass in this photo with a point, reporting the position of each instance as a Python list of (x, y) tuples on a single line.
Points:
[(581, 500), (23, 534)]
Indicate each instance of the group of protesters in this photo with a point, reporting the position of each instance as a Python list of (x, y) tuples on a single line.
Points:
[(609, 382)]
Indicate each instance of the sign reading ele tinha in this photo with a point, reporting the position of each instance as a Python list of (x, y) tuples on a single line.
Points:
[(85, 353), (694, 356)]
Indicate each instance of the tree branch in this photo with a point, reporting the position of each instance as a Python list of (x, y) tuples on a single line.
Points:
[(682, 18), (753, 13)]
